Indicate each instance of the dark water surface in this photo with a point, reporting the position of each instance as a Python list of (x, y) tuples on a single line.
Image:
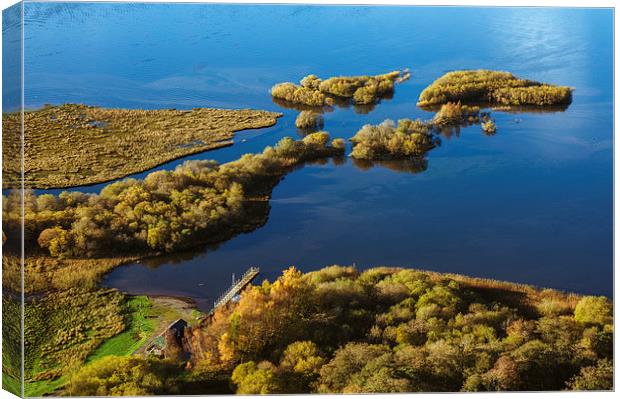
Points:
[(531, 204)]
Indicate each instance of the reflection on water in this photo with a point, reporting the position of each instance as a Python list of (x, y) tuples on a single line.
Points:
[(510, 109), (532, 204), (415, 165), (344, 103), (530, 109)]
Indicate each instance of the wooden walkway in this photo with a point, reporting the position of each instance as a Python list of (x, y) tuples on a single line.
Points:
[(236, 288)]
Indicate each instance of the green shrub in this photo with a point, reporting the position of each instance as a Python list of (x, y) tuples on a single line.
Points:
[(593, 310), (489, 127), (362, 90), (594, 378), (299, 94), (385, 141), (553, 307), (252, 378), (309, 120), (124, 376)]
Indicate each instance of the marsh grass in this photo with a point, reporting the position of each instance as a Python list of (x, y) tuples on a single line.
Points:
[(11, 340), (495, 87), (43, 273), (63, 328), (75, 144)]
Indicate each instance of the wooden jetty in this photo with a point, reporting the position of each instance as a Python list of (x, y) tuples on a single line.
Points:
[(236, 287), (176, 330)]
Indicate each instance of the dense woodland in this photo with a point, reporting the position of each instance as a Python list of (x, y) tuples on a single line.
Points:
[(384, 330)]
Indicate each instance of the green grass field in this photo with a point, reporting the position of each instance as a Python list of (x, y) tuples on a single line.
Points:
[(140, 327)]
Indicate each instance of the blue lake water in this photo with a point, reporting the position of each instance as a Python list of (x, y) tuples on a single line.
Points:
[(532, 204)]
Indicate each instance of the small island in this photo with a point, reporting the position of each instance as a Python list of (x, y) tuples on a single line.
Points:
[(309, 120), (412, 139), (75, 144), (492, 87), (407, 139), (316, 92)]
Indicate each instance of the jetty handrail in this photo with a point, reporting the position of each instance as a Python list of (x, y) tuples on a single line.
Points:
[(236, 286)]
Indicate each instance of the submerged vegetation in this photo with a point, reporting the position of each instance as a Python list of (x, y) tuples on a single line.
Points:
[(316, 92), (496, 87), (489, 127), (74, 144), (339, 330)]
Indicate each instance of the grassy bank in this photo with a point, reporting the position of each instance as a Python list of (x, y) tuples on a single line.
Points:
[(74, 144)]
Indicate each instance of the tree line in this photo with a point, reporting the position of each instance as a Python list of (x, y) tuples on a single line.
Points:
[(167, 210), (339, 330)]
